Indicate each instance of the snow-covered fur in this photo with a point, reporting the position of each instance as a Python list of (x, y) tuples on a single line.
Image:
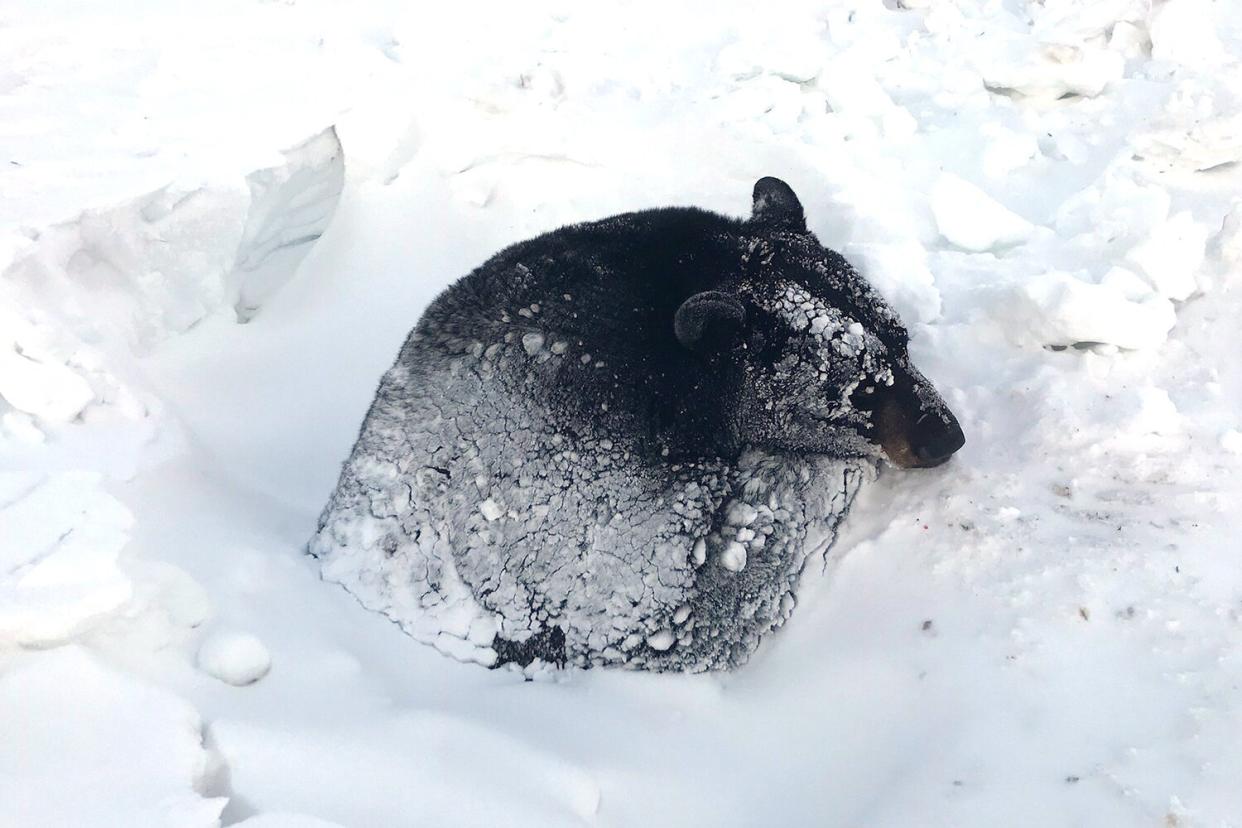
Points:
[(620, 442)]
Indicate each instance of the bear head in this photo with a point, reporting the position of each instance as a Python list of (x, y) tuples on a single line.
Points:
[(809, 356)]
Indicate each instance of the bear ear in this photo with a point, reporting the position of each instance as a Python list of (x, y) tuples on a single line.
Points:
[(709, 322), (775, 204)]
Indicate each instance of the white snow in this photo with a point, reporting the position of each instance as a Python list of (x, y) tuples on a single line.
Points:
[(234, 658), (1042, 632), (1171, 255), (60, 569), (969, 218), (85, 744)]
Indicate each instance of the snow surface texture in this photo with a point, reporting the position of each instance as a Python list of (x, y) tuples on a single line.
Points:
[(1044, 632)]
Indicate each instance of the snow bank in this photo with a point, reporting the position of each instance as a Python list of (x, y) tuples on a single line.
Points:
[(156, 265)]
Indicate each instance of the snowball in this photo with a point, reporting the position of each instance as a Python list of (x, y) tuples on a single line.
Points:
[(733, 558), (234, 658), (971, 219), (682, 613), (1171, 255)]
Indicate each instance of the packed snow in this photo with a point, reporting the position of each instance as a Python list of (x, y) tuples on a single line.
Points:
[(220, 222)]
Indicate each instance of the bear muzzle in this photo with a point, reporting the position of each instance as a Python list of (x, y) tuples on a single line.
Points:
[(921, 442)]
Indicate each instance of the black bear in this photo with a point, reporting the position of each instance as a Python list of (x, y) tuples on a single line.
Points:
[(619, 442)]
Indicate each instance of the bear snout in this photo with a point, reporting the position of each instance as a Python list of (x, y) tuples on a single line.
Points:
[(934, 440), (916, 443)]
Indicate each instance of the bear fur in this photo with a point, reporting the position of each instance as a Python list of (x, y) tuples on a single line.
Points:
[(619, 443)]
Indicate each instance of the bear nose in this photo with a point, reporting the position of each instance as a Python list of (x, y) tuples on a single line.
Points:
[(934, 441)]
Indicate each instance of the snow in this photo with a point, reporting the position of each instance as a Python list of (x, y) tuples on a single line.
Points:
[(60, 569), (130, 753), (969, 218), (1042, 632), (234, 658)]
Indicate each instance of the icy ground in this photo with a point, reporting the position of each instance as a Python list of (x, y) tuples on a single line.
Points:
[(1046, 631)]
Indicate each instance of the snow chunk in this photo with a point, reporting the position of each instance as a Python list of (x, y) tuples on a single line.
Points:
[(1047, 70), (1171, 255), (128, 753), (699, 552), (733, 558), (234, 658), (1061, 309), (661, 641), (741, 514), (491, 509), (971, 219), (532, 342)]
